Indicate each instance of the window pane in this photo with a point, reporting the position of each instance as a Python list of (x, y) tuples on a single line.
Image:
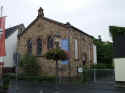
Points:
[(50, 42), (39, 47), (29, 47)]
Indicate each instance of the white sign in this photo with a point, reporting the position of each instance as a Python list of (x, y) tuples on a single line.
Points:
[(80, 69)]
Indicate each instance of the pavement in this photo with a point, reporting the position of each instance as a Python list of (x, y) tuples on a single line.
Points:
[(91, 87)]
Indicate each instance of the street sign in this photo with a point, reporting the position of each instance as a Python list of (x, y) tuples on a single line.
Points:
[(80, 69)]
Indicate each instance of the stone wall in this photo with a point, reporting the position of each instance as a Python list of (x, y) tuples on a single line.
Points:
[(42, 29), (83, 42)]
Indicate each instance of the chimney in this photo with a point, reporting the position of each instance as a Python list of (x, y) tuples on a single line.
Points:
[(68, 24), (40, 12)]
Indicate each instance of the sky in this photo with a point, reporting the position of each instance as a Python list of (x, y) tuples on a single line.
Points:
[(91, 16)]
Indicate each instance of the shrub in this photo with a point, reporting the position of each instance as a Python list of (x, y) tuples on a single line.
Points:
[(102, 66), (30, 65)]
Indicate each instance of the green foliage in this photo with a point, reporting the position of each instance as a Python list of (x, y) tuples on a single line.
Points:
[(6, 82), (30, 65), (37, 78), (6, 79), (104, 51), (43, 79), (56, 54), (114, 31)]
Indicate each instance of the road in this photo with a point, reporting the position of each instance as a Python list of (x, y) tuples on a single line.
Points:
[(34, 87)]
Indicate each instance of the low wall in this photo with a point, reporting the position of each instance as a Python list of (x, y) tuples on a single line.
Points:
[(119, 64)]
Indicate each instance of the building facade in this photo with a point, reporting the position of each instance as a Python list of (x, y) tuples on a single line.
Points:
[(10, 46), (44, 34), (118, 35)]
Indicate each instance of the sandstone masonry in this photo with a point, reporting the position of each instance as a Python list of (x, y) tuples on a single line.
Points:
[(42, 28)]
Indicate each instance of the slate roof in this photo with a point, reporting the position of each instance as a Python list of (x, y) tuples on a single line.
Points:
[(11, 30)]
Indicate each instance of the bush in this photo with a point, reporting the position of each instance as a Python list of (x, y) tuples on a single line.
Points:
[(8, 77), (36, 78), (102, 66), (57, 54), (30, 65)]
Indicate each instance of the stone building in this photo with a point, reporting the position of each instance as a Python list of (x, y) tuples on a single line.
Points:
[(44, 33)]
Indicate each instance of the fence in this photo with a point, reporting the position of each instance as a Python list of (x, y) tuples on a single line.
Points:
[(101, 75)]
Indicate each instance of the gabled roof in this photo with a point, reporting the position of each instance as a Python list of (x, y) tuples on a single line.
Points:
[(11, 30), (67, 25), (55, 22)]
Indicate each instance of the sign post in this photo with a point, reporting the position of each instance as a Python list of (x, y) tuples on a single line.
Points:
[(80, 70), (16, 60)]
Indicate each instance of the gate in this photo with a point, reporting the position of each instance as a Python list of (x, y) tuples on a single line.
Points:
[(104, 75)]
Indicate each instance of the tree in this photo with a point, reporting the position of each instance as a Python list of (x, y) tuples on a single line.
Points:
[(104, 51), (30, 65), (99, 38), (57, 54)]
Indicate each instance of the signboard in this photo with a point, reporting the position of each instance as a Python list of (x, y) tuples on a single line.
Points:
[(2, 37), (80, 69)]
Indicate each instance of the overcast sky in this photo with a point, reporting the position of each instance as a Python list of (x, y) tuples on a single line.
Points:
[(92, 16)]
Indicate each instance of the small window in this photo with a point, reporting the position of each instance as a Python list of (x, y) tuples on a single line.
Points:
[(39, 47), (50, 42), (29, 47)]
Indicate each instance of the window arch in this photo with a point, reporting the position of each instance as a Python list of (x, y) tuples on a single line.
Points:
[(39, 47), (29, 47), (50, 42)]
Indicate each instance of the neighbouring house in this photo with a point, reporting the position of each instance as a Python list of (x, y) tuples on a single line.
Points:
[(10, 46), (118, 35), (43, 34)]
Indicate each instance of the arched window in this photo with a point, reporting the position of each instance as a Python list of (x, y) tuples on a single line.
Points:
[(39, 47), (50, 42), (29, 47), (84, 58)]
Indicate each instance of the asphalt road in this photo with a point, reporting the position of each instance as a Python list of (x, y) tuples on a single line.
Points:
[(97, 87)]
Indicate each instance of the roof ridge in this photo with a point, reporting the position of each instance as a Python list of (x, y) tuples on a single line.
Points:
[(69, 25), (14, 26), (56, 22), (11, 30)]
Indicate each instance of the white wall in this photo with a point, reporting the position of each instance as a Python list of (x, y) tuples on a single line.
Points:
[(10, 44), (119, 69), (95, 54)]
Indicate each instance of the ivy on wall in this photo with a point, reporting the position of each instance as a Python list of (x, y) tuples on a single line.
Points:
[(115, 31)]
